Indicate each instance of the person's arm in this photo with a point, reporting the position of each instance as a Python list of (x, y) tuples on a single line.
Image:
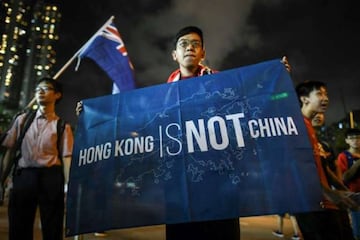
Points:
[(67, 162), (338, 170), (12, 133), (67, 148), (334, 180), (341, 199), (352, 172), (347, 174)]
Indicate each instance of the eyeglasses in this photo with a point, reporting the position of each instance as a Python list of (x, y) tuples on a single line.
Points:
[(43, 89), (185, 43)]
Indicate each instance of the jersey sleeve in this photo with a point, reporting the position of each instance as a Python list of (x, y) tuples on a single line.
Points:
[(342, 163)]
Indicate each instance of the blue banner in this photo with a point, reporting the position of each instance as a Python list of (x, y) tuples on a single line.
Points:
[(226, 145)]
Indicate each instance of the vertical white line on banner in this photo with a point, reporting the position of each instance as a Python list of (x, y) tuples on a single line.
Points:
[(160, 142)]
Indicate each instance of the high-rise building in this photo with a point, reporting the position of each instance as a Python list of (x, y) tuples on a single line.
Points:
[(29, 31)]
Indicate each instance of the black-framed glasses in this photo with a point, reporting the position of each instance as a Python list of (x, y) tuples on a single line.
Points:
[(184, 43), (44, 89)]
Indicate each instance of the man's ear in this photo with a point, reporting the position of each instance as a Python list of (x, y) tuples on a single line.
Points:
[(58, 95), (203, 54), (304, 100), (174, 55)]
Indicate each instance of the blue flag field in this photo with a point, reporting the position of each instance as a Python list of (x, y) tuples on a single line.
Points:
[(226, 145)]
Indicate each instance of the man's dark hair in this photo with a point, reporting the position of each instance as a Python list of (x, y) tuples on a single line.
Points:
[(352, 132), (305, 88), (55, 84), (187, 30)]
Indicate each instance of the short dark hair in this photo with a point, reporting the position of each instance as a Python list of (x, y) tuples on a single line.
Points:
[(187, 30), (55, 84), (352, 132), (305, 88)]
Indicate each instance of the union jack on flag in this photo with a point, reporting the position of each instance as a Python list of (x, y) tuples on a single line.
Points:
[(108, 50)]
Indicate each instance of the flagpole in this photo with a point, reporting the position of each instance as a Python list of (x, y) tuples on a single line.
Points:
[(66, 65)]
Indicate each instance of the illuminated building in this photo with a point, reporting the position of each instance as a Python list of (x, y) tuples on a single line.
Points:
[(29, 31)]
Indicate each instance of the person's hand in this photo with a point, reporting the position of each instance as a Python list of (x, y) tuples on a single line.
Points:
[(79, 108), (342, 199), (285, 61)]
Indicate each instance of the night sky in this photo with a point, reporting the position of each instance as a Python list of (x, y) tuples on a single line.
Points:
[(320, 38)]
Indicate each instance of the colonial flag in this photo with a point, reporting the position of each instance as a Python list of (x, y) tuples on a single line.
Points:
[(108, 50)]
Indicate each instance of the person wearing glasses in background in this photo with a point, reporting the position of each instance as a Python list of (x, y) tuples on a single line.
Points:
[(349, 165), (42, 169)]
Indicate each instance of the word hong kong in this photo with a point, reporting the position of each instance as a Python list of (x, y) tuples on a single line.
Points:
[(123, 147)]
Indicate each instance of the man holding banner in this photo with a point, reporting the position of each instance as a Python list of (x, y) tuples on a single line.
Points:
[(188, 52), (197, 159)]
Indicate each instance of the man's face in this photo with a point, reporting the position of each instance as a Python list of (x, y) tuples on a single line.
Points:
[(318, 120), (353, 141), (45, 93), (189, 50), (317, 100)]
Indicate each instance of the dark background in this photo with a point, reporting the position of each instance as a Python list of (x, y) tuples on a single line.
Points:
[(319, 37)]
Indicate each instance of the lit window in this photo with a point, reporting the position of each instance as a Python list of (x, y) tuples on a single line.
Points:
[(22, 32), (18, 17)]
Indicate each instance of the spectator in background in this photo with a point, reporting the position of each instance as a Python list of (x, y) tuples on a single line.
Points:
[(328, 223), (349, 165)]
